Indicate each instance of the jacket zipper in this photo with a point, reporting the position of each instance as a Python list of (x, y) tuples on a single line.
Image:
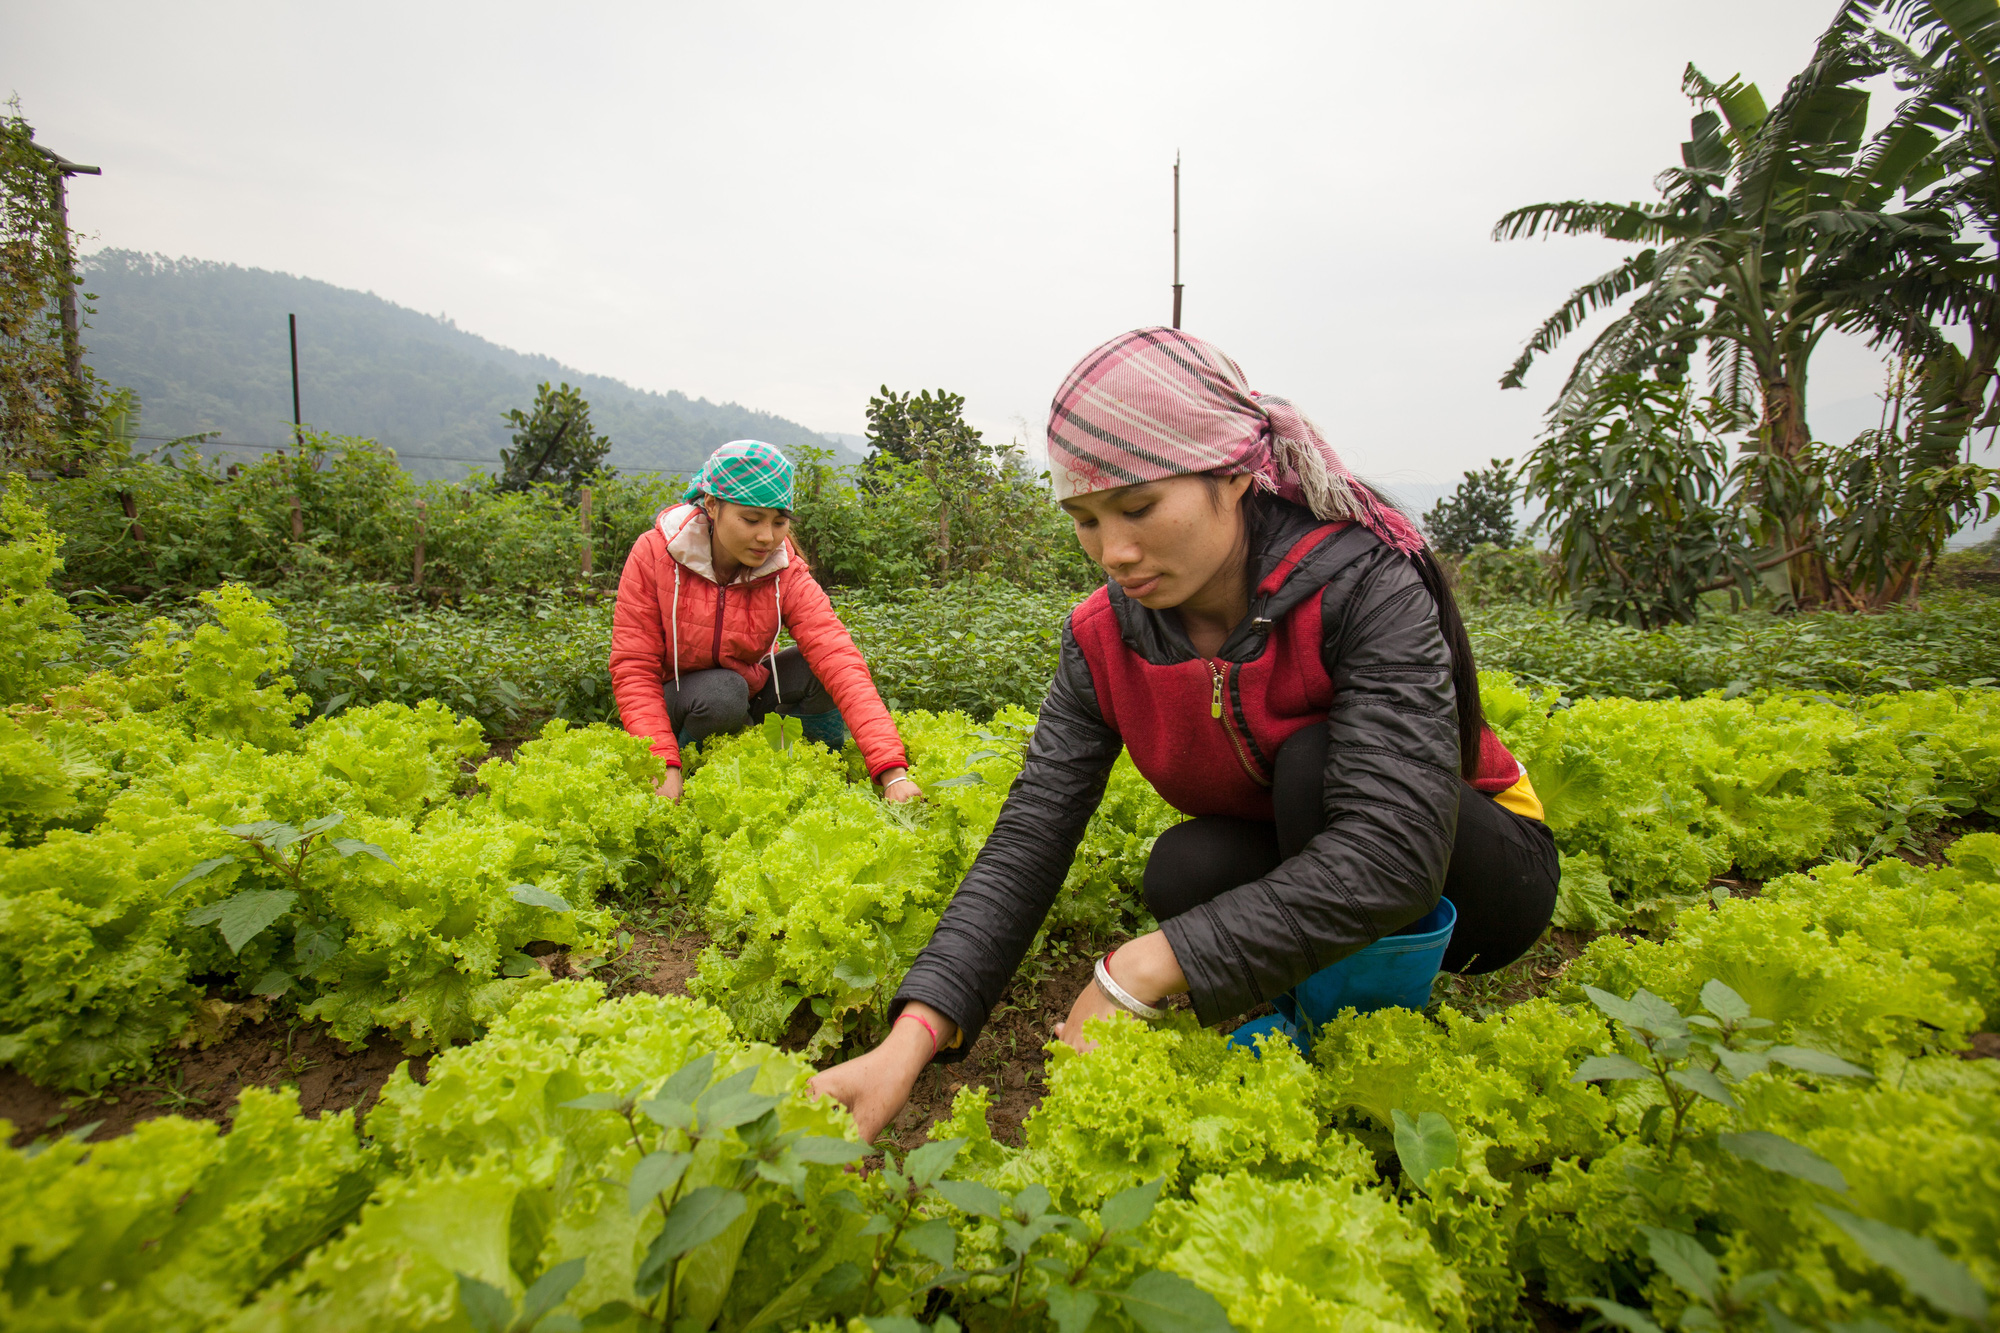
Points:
[(721, 594), (1235, 742)]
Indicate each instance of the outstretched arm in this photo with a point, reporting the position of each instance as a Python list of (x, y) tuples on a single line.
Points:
[(876, 1086), (829, 650), (993, 918)]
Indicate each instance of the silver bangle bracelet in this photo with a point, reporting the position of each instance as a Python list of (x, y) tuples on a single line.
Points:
[(1123, 998)]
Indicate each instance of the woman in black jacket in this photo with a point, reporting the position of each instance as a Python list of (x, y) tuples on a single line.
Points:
[(1286, 665)]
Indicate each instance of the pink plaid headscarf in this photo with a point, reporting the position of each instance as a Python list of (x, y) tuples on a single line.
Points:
[(1157, 403)]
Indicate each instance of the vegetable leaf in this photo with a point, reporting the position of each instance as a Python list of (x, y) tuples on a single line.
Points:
[(534, 896), (1424, 1144), (243, 916), (1774, 1152)]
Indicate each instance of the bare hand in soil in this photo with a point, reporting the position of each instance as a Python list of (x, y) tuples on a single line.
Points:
[(875, 1086), (1146, 968), (1090, 1003), (670, 785)]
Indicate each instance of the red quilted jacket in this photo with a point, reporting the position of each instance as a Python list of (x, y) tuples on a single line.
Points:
[(673, 616)]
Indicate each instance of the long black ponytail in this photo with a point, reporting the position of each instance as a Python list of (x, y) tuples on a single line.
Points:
[(1464, 673)]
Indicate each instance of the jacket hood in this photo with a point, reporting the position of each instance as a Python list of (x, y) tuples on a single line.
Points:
[(1284, 576), (688, 543)]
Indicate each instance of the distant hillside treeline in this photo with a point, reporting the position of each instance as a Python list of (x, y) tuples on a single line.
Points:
[(204, 346)]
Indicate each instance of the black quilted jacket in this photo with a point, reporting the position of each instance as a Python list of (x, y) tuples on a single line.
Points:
[(1392, 790)]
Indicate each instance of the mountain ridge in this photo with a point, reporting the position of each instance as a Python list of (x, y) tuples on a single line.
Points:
[(205, 346)]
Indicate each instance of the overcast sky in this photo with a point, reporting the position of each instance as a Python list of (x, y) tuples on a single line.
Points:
[(789, 204)]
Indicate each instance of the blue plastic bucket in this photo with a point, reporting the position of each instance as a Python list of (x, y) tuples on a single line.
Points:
[(1394, 971)]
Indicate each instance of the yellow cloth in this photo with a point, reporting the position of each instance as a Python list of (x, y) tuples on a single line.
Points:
[(1521, 799)]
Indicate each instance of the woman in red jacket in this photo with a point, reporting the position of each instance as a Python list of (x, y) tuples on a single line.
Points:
[(1284, 663), (694, 640)]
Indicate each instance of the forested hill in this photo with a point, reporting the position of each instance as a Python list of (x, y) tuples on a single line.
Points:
[(204, 346)]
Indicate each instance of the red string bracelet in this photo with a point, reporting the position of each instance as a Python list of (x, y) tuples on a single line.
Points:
[(919, 1018)]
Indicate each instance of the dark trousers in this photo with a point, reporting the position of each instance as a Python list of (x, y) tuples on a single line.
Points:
[(1502, 878), (711, 702)]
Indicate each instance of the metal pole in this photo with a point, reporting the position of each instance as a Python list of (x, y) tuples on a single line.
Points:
[(298, 430), (1177, 240)]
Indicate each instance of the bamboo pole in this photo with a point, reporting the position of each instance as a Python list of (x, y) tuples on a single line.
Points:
[(583, 514), (1177, 240), (298, 521)]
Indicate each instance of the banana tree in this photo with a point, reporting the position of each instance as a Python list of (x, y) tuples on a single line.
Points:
[(1940, 147), (1747, 261)]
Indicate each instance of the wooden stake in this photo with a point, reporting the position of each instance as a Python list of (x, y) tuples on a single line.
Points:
[(583, 513), (72, 324), (131, 508), (417, 567)]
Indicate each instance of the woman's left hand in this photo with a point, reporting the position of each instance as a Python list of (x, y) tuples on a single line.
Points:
[(897, 787), (1148, 971)]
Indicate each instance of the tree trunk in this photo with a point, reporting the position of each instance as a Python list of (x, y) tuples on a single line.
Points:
[(1784, 435)]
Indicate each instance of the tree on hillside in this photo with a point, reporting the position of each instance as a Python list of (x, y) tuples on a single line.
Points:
[(1780, 225), (1480, 512), (929, 433), (553, 443)]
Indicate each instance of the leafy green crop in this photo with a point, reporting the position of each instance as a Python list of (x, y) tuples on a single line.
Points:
[(814, 891), (1684, 1134), (1649, 800), (1950, 640), (172, 1226)]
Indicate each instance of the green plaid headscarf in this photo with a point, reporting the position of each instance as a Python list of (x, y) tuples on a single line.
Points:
[(745, 472)]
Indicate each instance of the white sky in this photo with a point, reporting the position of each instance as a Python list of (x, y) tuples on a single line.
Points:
[(788, 204)]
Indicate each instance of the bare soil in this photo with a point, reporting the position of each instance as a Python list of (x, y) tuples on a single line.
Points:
[(205, 1084)]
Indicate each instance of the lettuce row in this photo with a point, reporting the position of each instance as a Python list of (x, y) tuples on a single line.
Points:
[(1651, 799), (1285, 1185), (130, 780), (171, 1226)]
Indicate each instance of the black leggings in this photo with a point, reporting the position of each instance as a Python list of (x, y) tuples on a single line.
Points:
[(717, 700), (1502, 878)]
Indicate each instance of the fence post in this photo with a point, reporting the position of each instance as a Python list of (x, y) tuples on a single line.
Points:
[(583, 512), (131, 508), (298, 521), (417, 570)]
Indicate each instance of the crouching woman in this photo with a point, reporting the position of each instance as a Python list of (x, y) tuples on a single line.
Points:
[(1285, 664), (694, 641)]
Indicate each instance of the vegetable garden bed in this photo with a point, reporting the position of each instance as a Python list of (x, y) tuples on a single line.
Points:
[(1692, 1102)]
